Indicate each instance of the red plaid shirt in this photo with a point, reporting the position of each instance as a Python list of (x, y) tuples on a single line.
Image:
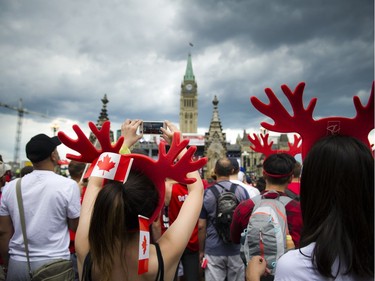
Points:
[(244, 209)]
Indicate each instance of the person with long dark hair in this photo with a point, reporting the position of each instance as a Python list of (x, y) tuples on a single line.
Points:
[(110, 241), (337, 203)]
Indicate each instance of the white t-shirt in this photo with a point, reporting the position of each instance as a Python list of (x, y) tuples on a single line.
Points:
[(241, 176), (293, 266), (48, 200), (251, 191)]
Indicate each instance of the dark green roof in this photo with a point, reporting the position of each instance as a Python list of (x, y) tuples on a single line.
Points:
[(189, 75)]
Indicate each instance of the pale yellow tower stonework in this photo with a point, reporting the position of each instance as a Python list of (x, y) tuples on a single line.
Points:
[(189, 101)]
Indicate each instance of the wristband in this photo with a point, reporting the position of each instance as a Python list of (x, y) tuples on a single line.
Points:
[(124, 150)]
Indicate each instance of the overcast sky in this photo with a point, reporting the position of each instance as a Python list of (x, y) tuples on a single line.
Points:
[(61, 57)]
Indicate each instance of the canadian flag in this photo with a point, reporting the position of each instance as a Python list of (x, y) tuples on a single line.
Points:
[(111, 166), (144, 244)]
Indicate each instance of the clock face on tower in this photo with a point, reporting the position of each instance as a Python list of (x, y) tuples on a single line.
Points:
[(188, 87)]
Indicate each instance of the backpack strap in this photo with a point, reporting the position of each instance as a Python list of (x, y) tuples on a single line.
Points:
[(216, 191), (233, 188), (256, 199), (285, 199), (282, 198), (292, 195)]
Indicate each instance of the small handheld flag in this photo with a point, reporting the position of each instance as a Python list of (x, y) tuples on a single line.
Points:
[(144, 244), (111, 166)]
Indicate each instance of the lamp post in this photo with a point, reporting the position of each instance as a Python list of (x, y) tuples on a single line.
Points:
[(55, 127), (252, 161), (244, 155)]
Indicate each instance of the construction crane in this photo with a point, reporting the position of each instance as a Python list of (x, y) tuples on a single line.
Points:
[(21, 111)]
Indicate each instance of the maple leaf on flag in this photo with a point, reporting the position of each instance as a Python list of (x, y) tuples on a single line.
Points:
[(144, 244), (106, 164)]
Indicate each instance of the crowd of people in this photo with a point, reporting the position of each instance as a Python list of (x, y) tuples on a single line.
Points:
[(96, 222)]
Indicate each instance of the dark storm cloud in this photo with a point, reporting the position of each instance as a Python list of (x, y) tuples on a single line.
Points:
[(272, 24), (62, 57), (332, 40)]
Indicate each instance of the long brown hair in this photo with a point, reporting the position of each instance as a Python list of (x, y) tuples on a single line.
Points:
[(116, 212)]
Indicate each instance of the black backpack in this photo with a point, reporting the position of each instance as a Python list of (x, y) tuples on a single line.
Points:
[(226, 203)]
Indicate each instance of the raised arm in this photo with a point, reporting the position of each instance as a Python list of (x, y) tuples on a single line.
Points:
[(173, 242), (88, 153), (82, 245)]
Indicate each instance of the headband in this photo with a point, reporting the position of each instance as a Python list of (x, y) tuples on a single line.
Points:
[(303, 123), (156, 170), (266, 148), (277, 175)]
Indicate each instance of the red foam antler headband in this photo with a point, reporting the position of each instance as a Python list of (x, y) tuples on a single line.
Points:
[(82, 144), (157, 170), (303, 123), (266, 148)]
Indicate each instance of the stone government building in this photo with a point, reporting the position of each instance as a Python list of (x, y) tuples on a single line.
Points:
[(213, 143)]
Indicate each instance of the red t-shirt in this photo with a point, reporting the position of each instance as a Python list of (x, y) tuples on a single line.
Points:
[(294, 187), (179, 194)]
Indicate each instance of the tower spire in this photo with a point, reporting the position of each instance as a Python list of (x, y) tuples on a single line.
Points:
[(215, 114), (189, 75), (215, 139), (216, 130), (103, 116)]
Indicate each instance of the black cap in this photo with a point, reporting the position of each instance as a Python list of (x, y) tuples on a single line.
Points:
[(40, 147)]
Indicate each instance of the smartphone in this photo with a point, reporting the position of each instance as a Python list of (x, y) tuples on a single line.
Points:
[(151, 127)]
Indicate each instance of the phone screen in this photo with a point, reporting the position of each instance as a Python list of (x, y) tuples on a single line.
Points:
[(152, 127)]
